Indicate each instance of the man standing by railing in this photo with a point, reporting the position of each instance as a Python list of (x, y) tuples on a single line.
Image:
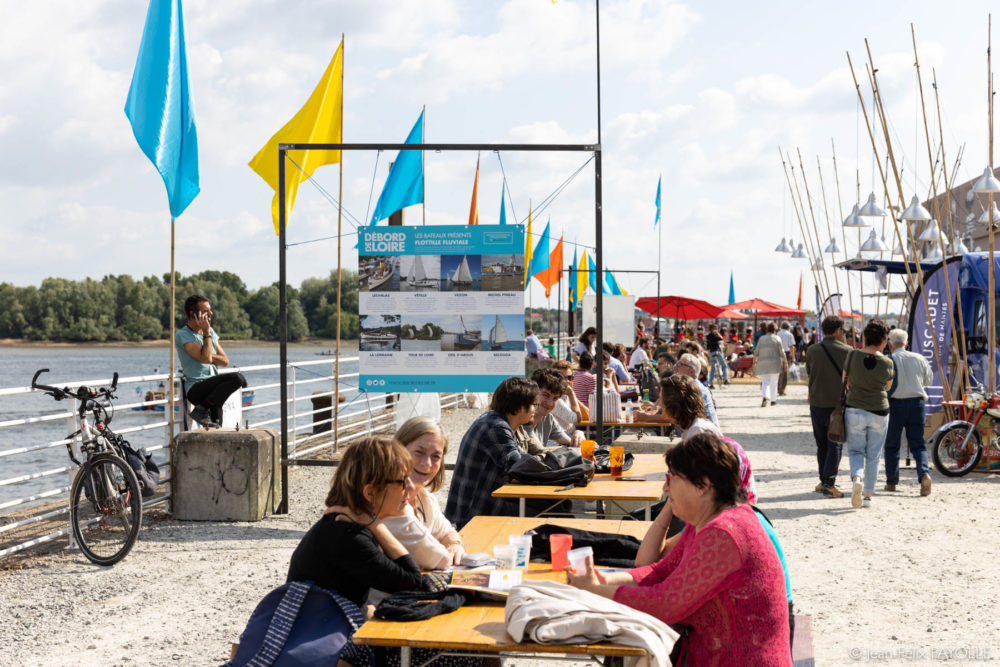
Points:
[(201, 356)]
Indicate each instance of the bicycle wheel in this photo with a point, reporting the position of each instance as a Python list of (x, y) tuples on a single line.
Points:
[(105, 509), (950, 456)]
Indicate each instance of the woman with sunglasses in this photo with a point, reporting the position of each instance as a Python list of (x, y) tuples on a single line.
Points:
[(350, 549), (736, 610), (422, 527)]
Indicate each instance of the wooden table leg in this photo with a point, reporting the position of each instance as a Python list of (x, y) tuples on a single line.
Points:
[(404, 656), (521, 506)]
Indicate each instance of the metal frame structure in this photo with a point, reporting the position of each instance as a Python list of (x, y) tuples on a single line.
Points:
[(284, 148)]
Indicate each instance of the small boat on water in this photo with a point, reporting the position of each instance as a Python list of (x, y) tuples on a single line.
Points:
[(380, 275), (498, 335), (467, 340), (418, 275), (463, 276)]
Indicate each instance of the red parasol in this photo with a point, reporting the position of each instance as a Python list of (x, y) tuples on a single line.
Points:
[(679, 307)]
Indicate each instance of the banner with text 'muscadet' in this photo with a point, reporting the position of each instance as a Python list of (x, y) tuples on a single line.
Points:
[(441, 307)]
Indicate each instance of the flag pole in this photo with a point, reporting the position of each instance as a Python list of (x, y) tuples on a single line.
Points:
[(340, 208), (423, 171), (659, 264), (170, 373)]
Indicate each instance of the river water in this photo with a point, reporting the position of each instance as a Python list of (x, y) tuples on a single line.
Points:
[(76, 363)]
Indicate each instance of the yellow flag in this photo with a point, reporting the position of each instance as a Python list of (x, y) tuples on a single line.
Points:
[(582, 277), (527, 248), (320, 120)]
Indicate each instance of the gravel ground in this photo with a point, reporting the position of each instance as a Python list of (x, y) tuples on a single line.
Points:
[(905, 581)]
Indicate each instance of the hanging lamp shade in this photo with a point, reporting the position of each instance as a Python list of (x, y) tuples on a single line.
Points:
[(799, 253), (987, 182), (783, 246), (832, 248), (915, 211), (818, 264), (897, 249), (871, 209), (984, 219), (873, 244), (957, 247), (854, 220), (932, 254), (930, 233)]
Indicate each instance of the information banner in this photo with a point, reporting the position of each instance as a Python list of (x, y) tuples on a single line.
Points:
[(441, 307)]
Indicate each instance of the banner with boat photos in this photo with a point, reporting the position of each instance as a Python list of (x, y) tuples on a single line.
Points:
[(441, 307)]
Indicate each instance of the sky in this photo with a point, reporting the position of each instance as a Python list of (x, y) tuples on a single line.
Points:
[(702, 94)]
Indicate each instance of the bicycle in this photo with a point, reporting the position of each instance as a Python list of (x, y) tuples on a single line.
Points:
[(105, 497)]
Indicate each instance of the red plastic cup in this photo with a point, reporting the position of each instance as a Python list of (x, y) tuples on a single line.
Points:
[(560, 544)]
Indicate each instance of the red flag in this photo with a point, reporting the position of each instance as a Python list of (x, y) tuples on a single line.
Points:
[(551, 276), (798, 304), (474, 209)]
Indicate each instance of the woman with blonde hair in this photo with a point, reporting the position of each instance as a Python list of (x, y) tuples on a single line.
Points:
[(421, 527)]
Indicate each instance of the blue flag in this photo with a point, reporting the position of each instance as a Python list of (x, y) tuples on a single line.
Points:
[(540, 256), (159, 106), (658, 184), (732, 291), (592, 277), (405, 184), (612, 284), (503, 208)]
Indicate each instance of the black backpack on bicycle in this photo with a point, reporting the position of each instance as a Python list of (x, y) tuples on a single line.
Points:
[(146, 470)]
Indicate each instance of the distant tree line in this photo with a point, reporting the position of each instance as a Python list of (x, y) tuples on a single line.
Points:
[(121, 308)]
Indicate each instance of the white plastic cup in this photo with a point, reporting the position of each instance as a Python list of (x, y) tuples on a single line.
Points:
[(505, 556), (523, 544), (578, 559)]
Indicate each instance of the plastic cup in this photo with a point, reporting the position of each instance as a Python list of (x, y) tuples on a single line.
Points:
[(587, 449), (578, 559), (617, 459), (523, 544), (505, 556), (560, 544)]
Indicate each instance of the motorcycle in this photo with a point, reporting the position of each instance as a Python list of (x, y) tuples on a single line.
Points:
[(958, 445)]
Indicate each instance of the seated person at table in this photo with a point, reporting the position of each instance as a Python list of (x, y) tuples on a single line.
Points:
[(680, 404), (691, 366), (421, 528), (665, 363), (737, 610), (569, 411), (583, 380), (603, 360), (587, 343), (487, 452), (544, 428), (640, 355), (621, 375)]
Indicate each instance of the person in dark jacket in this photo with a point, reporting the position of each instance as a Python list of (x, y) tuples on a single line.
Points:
[(824, 364)]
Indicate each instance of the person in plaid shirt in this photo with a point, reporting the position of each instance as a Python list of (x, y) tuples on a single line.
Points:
[(487, 452)]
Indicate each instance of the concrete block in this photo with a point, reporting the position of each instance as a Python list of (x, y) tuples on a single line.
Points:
[(226, 475), (647, 444)]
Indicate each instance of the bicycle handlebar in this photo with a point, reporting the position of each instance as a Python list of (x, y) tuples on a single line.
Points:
[(82, 392)]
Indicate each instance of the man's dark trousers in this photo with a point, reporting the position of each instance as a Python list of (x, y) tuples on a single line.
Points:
[(905, 413), (214, 391), (828, 453)]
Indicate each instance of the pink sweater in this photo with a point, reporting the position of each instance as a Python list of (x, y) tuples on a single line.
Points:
[(726, 582)]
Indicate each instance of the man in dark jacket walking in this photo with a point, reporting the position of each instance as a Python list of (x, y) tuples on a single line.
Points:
[(825, 364)]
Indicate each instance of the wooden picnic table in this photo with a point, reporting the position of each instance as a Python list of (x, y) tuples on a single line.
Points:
[(643, 482), (479, 625)]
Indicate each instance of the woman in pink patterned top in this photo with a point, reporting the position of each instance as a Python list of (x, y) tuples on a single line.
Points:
[(723, 579)]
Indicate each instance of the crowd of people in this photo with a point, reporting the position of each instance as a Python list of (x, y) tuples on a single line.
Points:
[(381, 526)]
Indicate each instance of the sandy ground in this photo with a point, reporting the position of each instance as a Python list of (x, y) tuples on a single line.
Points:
[(908, 581)]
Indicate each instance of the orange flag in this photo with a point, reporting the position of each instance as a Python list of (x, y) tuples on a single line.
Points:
[(551, 276), (799, 303), (474, 209)]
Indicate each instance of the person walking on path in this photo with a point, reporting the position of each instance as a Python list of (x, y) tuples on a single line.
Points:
[(907, 403), (714, 343), (769, 361), (869, 376), (825, 367), (787, 345)]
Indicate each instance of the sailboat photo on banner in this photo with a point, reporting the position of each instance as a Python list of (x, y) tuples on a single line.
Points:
[(503, 333), (503, 272), (461, 273), (461, 333), (422, 273)]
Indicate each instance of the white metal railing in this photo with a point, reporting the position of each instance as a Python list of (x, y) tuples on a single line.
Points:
[(35, 481)]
